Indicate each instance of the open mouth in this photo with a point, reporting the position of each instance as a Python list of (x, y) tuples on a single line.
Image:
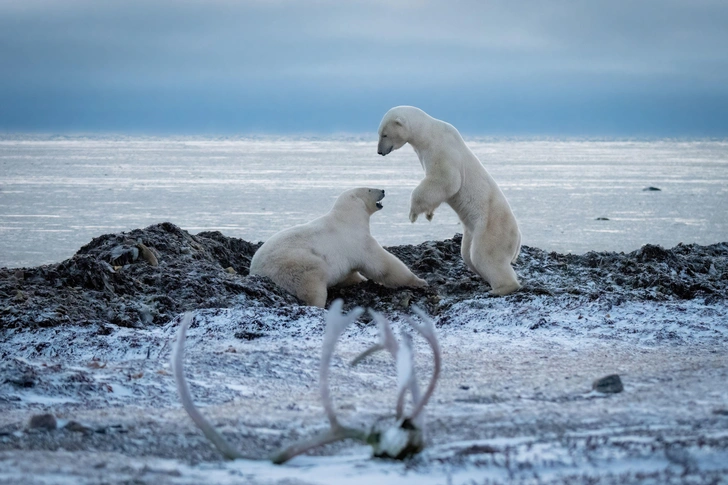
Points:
[(379, 202)]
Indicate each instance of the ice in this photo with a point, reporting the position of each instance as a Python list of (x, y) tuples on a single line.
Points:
[(57, 194)]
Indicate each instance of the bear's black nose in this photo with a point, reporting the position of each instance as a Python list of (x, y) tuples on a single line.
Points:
[(380, 152)]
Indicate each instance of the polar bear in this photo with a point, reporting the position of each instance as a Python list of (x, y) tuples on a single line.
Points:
[(335, 249), (453, 174)]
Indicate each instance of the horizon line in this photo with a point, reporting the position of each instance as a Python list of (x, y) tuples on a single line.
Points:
[(6, 135)]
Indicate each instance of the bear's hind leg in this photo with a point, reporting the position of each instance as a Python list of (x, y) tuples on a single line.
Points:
[(495, 268), (506, 283), (352, 278), (465, 247), (312, 289)]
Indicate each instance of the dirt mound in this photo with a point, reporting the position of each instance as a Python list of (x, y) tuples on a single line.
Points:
[(146, 276), (110, 280)]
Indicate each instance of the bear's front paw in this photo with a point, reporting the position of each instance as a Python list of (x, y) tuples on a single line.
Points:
[(430, 215), (413, 216)]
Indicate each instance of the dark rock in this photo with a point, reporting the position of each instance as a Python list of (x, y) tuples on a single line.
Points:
[(246, 335), (477, 450), (602, 219), (651, 252), (610, 384), (651, 189), (77, 427), (24, 380), (43, 421)]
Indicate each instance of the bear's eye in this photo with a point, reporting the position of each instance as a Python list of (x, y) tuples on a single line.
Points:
[(384, 136)]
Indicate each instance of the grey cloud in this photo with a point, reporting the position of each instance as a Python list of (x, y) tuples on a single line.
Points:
[(382, 49), (179, 42)]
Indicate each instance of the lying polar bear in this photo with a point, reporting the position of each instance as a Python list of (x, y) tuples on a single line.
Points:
[(335, 249), (453, 174)]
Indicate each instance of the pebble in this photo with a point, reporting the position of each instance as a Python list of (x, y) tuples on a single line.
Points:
[(651, 189), (610, 384), (78, 427), (43, 421), (26, 379)]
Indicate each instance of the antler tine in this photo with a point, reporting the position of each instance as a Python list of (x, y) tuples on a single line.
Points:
[(427, 330), (186, 397), (387, 341), (336, 323), (405, 373), (371, 350), (330, 436)]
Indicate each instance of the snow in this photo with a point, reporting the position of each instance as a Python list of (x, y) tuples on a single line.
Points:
[(514, 404)]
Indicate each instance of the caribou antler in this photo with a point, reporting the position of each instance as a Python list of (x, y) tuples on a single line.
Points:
[(407, 436), (403, 439), (387, 341), (427, 330), (336, 323), (184, 393), (406, 379)]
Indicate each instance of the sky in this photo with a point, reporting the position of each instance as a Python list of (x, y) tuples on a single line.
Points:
[(576, 68)]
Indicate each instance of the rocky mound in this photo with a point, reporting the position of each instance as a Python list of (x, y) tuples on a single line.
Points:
[(146, 276)]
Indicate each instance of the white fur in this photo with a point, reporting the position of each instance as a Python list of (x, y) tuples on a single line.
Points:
[(454, 175), (335, 249)]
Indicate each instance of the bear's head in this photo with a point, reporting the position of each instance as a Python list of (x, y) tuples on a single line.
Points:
[(394, 130), (363, 197)]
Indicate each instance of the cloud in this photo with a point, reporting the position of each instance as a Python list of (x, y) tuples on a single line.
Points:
[(238, 50)]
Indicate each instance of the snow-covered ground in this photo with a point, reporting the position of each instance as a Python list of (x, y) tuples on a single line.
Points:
[(514, 405)]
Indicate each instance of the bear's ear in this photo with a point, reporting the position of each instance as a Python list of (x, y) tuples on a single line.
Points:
[(398, 121)]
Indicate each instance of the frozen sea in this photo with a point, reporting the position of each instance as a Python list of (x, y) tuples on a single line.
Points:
[(57, 193)]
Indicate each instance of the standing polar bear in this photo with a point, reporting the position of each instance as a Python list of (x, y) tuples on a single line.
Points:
[(453, 174), (335, 249)]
